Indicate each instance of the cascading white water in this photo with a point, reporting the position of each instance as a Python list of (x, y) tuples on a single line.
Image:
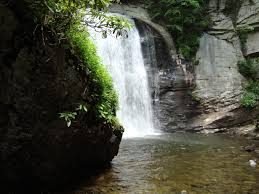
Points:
[(124, 60)]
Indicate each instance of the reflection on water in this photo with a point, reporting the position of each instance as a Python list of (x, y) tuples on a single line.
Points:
[(176, 162)]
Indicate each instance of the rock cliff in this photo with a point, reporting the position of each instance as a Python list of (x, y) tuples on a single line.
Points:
[(219, 85), (204, 95), (38, 82)]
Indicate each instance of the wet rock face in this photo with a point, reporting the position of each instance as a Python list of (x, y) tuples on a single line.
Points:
[(172, 103), (213, 98), (219, 85), (37, 82), (252, 48), (211, 103)]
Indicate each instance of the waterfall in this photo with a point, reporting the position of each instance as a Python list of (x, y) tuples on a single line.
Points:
[(124, 60)]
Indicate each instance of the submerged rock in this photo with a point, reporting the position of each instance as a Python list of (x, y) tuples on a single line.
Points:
[(184, 192), (250, 148)]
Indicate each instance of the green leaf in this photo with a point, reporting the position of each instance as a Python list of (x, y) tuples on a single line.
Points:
[(69, 123), (85, 109)]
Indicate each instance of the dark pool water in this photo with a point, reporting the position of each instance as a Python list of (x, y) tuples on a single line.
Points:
[(171, 163)]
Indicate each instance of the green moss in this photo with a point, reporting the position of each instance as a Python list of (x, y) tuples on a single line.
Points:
[(249, 69), (106, 101), (60, 22)]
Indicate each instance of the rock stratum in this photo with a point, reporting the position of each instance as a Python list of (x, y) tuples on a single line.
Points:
[(219, 85)]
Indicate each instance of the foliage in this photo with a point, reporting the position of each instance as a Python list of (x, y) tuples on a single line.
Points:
[(62, 21), (250, 97), (253, 87), (249, 69), (68, 116), (185, 19), (58, 16), (249, 100), (107, 24), (105, 95), (81, 107)]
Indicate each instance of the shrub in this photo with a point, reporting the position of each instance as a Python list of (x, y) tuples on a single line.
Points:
[(185, 19), (253, 87), (58, 16), (249, 68), (249, 99)]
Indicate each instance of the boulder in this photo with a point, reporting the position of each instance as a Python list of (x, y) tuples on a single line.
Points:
[(37, 82)]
